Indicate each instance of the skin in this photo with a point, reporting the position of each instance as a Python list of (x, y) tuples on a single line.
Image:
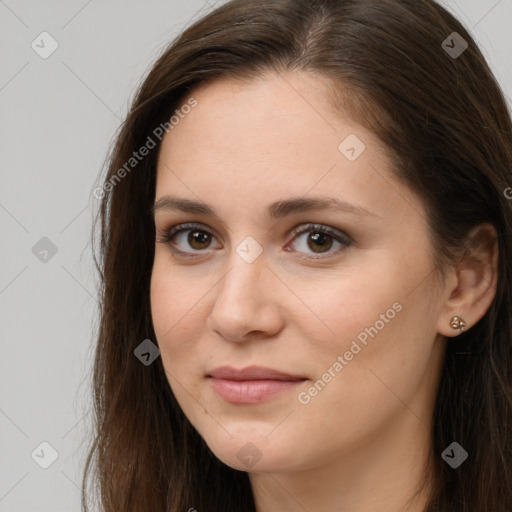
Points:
[(361, 442)]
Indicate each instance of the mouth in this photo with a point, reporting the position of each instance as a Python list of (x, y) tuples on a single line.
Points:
[(250, 385)]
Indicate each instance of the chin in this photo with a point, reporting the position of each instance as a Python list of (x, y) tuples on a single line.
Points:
[(254, 453)]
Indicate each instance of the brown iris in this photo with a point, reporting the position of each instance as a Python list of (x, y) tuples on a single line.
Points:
[(198, 237), (319, 239)]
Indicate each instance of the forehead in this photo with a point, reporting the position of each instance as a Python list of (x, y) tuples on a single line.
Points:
[(274, 116), (279, 134)]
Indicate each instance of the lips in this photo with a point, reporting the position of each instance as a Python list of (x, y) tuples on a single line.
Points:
[(251, 385), (252, 373)]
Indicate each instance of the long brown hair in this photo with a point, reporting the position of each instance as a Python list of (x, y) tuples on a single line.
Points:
[(444, 119)]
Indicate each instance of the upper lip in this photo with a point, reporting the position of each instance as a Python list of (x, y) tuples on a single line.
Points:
[(251, 373)]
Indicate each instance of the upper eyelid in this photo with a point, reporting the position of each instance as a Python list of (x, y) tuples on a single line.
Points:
[(186, 226), (312, 226), (303, 226)]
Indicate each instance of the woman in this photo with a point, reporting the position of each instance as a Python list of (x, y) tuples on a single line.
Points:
[(305, 252)]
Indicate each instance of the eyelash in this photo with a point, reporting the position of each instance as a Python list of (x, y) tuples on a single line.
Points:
[(340, 237)]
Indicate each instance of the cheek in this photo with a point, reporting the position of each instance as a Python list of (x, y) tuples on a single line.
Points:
[(175, 310), (378, 382), (336, 307), (380, 336)]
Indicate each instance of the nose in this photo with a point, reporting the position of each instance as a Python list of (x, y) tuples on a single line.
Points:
[(246, 305)]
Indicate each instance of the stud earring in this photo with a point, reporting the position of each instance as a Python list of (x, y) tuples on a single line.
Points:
[(457, 322)]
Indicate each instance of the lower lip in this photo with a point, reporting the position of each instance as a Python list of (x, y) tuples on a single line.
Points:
[(250, 391)]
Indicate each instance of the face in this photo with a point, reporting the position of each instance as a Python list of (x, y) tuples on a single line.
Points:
[(341, 297)]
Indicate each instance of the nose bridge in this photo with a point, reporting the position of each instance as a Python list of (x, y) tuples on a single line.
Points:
[(242, 303), (246, 265)]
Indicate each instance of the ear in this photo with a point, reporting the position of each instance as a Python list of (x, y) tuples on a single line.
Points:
[(471, 285)]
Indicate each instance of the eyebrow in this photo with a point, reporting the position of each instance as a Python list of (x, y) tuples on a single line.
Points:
[(275, 211)]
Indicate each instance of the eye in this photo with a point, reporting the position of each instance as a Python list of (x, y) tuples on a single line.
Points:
[(198, 239), (320, 239)]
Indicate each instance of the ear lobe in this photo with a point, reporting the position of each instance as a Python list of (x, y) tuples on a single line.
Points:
[(473, 286)]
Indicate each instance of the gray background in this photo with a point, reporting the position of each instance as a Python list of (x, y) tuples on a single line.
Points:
[(58, 117)]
